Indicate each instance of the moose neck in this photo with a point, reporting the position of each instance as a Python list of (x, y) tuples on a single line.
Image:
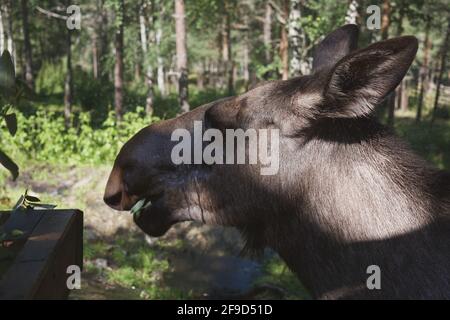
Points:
[(362, 203)]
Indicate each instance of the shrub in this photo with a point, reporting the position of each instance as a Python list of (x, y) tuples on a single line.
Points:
[(44, 137), (92, 94)]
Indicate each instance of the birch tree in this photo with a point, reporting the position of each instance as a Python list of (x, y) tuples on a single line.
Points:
[(352, 12), (295, 38), (2, 31), (68, 85)]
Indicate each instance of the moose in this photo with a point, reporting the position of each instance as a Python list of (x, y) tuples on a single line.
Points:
[(349, 194)]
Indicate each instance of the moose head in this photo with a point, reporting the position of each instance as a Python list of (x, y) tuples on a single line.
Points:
[(342, 177)]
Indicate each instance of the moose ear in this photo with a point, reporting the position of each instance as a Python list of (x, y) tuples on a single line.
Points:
[(222, 114), (335, 46), (364, 78)]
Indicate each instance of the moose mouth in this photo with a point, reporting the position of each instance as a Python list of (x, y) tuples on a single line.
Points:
[(155, 218), (152, 218)]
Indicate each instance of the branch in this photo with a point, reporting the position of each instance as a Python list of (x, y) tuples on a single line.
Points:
[(280, 14), (259, 19), (276, 7), (51, 14), (281, 19), (237, 26)]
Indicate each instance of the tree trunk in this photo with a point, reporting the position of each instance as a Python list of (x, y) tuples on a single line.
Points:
[(284, 43), (103, 38), (401, 92), (295, 38), (226, 50), (29, 77), (385, 19), (147, 65), (246, 58), (182, 59), (404, 99), (423, 73), (159, 59), (95, 57), (444, 53), (137, 69), (352, 12), (68, 85), (267, 32), (200, 71), (118, 66), (385, 24)]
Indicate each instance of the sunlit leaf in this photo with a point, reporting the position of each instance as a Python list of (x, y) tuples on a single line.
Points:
[(140, 206), (32, 198), (44, 206), (17, 233)]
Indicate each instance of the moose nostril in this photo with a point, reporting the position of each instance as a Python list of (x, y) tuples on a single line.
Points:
[(113, 200)]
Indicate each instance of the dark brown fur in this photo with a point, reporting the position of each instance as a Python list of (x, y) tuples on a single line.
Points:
[(349, 194)]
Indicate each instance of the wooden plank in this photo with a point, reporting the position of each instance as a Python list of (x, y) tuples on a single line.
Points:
[(3, 217), (69, 251), (24, 221), (39, 270)]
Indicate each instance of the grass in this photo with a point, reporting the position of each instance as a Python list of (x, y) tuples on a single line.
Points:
[(129, 263), (276, 273)]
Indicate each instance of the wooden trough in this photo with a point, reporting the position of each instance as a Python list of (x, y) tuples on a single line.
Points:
[(41, 246)]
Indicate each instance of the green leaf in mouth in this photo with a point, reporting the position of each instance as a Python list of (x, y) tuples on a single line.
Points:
[(139, 206), (17, 233)]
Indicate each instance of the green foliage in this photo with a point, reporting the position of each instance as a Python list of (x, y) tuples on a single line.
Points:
[(117, 6), (201, 97), (45, 137), (275, 272), (430, 142), (92, 94), (50, 79), (272, 69)]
